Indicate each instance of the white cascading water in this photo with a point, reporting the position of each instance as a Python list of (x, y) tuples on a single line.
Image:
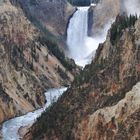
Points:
[(82, 47), (77, 34)]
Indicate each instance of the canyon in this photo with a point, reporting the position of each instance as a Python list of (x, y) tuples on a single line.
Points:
[(40, 42)]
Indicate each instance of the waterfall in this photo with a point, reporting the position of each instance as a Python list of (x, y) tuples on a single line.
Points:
[(82, 47), (77, 34)]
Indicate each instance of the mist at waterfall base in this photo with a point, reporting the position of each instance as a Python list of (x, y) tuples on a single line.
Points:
[(82, 47), (132, 6)]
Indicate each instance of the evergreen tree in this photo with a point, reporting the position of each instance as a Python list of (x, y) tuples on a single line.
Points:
[(122, 22)]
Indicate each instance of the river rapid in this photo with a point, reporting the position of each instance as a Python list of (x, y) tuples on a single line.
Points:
[(10, 128)]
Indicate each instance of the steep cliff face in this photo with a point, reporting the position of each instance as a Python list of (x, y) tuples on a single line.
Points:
[(27, 66), (117, 122), (102, 14), (103, 99), (53, 14)]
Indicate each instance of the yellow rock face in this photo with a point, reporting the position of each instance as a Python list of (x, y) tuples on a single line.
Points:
[(104, 12)]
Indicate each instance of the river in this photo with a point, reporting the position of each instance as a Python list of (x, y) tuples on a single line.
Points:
[(11, 127)]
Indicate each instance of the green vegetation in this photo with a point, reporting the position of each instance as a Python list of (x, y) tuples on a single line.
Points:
[(62, 73), (50, 41), (89, 74), (82, 2), (122, 22), (36, 21), (43, 127), (55, 50), (33, 2)]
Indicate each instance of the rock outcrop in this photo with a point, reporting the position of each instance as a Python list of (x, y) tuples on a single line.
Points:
[(52, 14), (103, 101), (27, 66), (118, 122), (101, 15)]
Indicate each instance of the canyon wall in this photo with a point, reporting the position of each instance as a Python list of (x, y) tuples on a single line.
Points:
[(101, 15), (27, 66), (53, 15)]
